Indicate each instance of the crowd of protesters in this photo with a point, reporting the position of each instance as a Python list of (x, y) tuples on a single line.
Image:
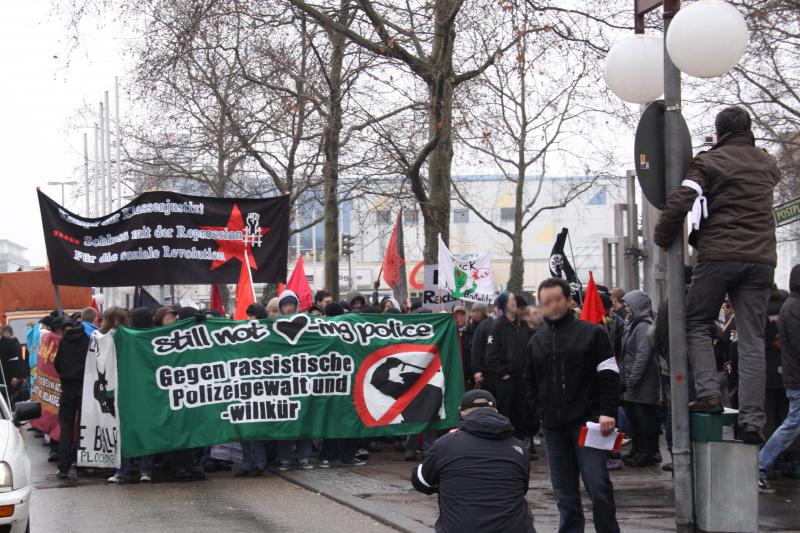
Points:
[(542, 371)]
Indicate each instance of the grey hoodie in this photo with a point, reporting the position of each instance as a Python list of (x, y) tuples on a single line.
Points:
[(640, 370), (789, 333)]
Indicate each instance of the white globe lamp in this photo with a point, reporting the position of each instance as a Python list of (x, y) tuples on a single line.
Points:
[(635, 68), (707, 38), (99, 298)]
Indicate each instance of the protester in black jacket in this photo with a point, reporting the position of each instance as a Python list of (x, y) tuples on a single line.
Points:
[(11, 360), (484, 378), (69, 363), (789, 331), (571, 373), (480, 472), (506, 348)]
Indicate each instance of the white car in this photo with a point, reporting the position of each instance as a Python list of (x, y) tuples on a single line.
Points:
[(15, 468)]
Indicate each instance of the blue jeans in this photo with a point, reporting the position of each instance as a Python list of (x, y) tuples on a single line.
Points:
[(568, 462), (254, 455), (286, 450), (784, 436), (145, 465)]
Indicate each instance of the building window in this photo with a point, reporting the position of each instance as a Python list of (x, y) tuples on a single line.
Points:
[(410, 218), (384, 216), (460, 216), (507, 214)]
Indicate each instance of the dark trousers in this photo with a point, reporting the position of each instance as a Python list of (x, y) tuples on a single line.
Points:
[(345, 449), (747, 285), (643, 418), (513, 403), (568, 463), (69, 411)]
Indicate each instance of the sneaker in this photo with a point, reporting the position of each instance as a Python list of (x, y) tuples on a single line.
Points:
[(54, 457), (362, 454), (145, 478), (410, 455), (61, 474), (354, 462), (283, 467), (305, 465), (763, 485), (614, 464), (113, 479), (626, 442), (324, 463)]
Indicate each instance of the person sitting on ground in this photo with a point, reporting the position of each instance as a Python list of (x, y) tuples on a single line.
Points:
[(480, 471)]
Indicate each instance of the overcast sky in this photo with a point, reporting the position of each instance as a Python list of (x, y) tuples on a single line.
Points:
[(43, 83)]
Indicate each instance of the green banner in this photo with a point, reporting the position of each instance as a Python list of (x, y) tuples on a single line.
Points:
[(192, 384)]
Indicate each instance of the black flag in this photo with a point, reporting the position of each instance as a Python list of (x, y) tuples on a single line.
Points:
[(560, 266), (143, 298)]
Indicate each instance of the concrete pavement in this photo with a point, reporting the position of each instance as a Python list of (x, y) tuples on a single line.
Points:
[(341, 499), (221, 503)]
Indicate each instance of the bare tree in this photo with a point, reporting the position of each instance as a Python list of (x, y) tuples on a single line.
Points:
[(536, 108)]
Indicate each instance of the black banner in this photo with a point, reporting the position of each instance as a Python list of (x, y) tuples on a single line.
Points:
[(165, 237), (560, 266)]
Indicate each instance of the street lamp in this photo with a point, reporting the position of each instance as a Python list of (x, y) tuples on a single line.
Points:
[(707, 38), (635, 68), (63, 184)]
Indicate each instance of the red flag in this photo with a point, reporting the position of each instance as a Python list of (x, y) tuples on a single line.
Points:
[(216, 300), (95, 307), (298, 282), (593, 310), (245, 294), (394, 263)]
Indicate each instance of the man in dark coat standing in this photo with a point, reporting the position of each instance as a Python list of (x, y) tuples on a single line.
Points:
[(728, 192)]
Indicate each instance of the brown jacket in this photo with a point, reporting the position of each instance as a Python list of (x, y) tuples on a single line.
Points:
[(737, 180)]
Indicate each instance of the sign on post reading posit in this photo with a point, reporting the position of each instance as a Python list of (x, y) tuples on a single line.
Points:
[(193, 385), (787, 213)]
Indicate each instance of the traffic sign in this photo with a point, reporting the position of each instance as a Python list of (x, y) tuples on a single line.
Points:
[(649, 154)]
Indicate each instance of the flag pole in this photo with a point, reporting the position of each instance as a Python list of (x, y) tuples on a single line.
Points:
[(250, 274), (574, 266)]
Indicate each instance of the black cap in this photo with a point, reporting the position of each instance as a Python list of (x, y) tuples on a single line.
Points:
[(477, 398)]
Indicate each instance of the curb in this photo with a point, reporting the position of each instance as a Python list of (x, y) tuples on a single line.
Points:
[(377, 511)]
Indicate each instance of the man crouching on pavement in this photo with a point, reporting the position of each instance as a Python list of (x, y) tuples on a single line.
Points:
[(572, 375), (480, 471)]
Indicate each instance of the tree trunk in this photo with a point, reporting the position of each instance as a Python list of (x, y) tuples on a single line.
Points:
[(436, 214), (517, 274), (330, 168)]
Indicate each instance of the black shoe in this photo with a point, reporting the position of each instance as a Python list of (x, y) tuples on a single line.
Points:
[(640, 461), (667, 467), (711, 406), (53, 457), (62, 474), (751, 435), (243, 473), (257, 473)]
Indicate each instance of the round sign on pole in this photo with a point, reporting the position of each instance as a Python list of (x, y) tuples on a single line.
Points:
[(649, 157)]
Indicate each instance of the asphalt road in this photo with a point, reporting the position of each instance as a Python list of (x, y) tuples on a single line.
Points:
[(218, 504)]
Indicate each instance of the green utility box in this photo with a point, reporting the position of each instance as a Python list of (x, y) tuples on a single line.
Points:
[(708, 428)]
